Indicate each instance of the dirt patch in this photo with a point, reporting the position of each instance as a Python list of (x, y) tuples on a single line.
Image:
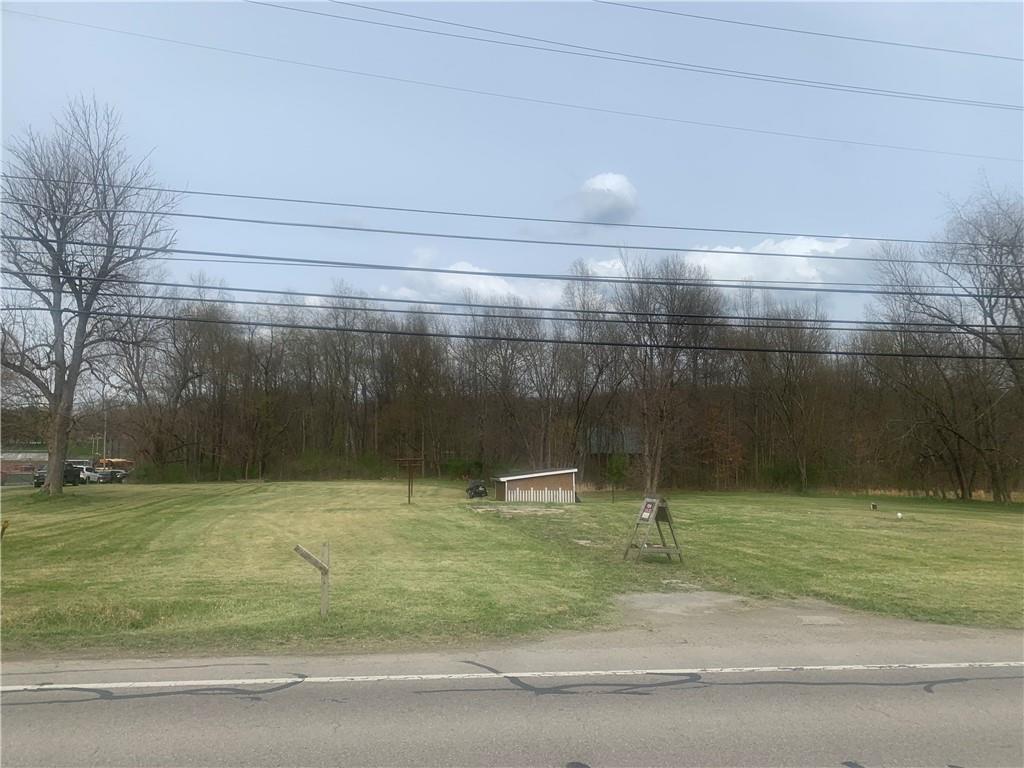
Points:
[(503, 510), (528, 511), (682, 603)]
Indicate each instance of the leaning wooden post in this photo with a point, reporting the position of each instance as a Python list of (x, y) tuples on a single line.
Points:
[(322, 564), (325, 579)]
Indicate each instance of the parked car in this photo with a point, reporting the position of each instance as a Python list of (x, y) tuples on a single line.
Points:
[(119, 468), (93, 475), (72, 475)]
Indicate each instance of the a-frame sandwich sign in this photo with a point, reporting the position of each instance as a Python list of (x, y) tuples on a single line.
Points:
[(653, 515)]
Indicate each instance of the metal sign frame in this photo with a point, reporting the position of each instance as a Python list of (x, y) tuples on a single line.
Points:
[(653, 513)]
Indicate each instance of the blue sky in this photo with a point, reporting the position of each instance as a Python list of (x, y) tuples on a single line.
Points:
[(221, 122)]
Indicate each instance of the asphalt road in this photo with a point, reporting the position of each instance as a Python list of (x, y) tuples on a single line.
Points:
[(692, 680), (941, 717)]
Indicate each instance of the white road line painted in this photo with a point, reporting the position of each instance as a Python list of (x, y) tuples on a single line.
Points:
[(252, 681)]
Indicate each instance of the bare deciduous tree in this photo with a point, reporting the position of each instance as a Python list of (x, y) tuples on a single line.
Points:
[(979, 406), (75, 219), (671, 288)]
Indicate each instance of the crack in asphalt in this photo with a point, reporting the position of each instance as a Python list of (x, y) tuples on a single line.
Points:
[(102, 694), (696, 680), (688, 682)]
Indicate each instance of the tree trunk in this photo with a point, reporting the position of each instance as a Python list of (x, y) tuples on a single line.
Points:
[(652, 461), (58, 450), (801, 462)]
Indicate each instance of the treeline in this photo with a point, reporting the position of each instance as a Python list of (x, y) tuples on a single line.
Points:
[(659, 378), (638, 373)]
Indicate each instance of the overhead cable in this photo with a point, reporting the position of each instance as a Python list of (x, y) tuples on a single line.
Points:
[(520, 339), (585, 278), (570, 49), (602, 312), (495, 216), (816, 33), (810, 325), (519, 98)]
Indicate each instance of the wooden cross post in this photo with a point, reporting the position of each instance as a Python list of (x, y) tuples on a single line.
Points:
[(322, 564), (410, 464)]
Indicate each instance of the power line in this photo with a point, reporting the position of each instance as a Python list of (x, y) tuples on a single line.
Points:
[(648, 61), (517, 98), (535, 241), (516, 339), (515, 240), (722, 282), (695, 283), (483, 305), (780, 325), (816, 33), (526, 240), (495, 216)]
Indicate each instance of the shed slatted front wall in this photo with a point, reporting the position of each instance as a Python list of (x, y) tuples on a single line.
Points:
[(553, 495), (552, 486)]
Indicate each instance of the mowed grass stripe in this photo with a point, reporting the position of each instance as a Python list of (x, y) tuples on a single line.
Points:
[(211, 568)]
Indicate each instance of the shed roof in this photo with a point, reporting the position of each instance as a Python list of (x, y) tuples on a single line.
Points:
[(538, 473), (23, 455)]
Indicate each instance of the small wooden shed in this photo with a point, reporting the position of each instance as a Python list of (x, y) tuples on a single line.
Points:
[(551, 485)]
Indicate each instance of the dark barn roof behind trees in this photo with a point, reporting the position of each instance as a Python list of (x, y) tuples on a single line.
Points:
[(609, 440)]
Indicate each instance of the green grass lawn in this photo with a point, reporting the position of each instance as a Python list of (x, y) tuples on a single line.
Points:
[(194, 568)]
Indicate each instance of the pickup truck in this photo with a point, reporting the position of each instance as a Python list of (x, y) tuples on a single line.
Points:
[(93, 475), (72, 476)]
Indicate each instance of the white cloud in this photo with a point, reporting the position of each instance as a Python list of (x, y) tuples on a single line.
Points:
[(401, 292), (453, 287), (730, 262), (480, 282), (736, 263), (608, 268), (608, 197), (724, 262)]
